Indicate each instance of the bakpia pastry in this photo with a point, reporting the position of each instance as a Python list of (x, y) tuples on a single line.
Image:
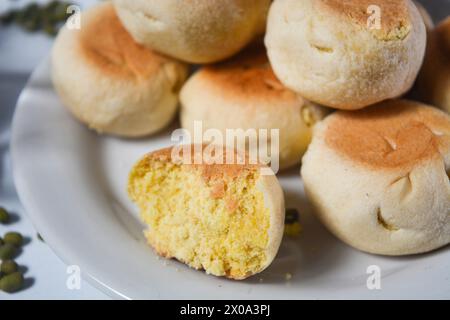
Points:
[(198, 31), (378, 177), (226, 219), (327, 50), (434, 78), (111, 83), (429, 24), (243, 93)]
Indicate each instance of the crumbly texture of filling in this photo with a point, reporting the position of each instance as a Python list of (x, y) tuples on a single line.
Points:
[(395, 134), (219, 225)]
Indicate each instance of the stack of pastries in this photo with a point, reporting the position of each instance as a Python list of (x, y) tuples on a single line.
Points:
[(329, 76)]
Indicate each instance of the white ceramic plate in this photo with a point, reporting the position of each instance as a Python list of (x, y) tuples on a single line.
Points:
[(72, 183)]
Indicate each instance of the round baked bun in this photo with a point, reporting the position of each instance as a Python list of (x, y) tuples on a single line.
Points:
[(243, 93), (227, 219), (427, 19), (109, 82), (434, 79), (199, 31), (328, 52), (378, 178)]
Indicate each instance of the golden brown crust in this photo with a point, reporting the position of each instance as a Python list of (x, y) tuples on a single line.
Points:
[(246, 76), (393, 134), (395, 15), (211, 172), (105, 43), (166, 255)]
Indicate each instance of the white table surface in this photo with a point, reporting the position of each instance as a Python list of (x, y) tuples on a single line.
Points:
[(46, 274)]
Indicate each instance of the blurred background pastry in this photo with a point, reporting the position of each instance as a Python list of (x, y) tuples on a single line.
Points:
[(226, 219), (343, 54), (111, 83), (200, 31), (378, 177), (243, 93)]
